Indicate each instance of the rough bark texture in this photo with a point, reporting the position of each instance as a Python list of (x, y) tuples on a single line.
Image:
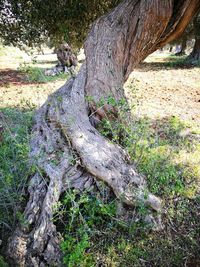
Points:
[(195, 54), (63, 133), (65, 56)]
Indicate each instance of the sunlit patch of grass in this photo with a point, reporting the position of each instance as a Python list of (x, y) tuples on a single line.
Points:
[(186, 157), (189, 163), (37, 75), (165, 162), (155, 146), (179, 61), (167, 152)]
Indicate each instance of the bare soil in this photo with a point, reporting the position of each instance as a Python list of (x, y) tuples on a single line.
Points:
[(161, 90), (167, 91), (10, 76)]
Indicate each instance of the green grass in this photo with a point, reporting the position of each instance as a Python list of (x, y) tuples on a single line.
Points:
[(158, 149), (93, 233), (166, 151), (179, 61), (3, 263), (14, 164), (93, 236), (36, 74), (86, 215)]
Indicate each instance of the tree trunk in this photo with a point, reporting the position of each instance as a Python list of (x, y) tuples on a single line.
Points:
[(183, 47), (195, 54), (66, 57), (63, 130)]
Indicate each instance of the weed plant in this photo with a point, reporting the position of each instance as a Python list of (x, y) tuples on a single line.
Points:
[(15, 128), (95, 236), (166, 151), (36, 74)]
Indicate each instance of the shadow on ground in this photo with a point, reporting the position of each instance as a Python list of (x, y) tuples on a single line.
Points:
[(10, 76), (172, 62)]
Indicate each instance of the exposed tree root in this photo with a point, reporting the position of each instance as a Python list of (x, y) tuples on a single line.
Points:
[(69, 152), (66, 149)]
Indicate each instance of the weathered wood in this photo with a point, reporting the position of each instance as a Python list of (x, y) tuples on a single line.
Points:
[(65, 56), (116, 43)]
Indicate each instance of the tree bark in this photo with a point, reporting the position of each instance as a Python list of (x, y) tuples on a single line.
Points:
[(66, 57), (195, 54), (63, 132)]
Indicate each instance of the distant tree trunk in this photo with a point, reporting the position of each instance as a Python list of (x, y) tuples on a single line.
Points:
[(183, 46), (65, 56), (63, 130), (170, 48), (195, 54)]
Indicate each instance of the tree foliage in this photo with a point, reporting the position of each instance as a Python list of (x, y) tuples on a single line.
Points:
[(34, 22)]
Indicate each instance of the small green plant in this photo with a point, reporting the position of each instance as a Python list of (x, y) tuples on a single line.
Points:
[(14, 165), (85, 215), (36, 75), (156, 148), (2, 262), (174, 61), (33, 74)]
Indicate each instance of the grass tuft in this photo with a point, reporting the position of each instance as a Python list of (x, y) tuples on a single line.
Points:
[(35, 74), (15, 128)]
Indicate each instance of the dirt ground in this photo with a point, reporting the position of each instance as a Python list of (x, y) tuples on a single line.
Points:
[(15, 90), (164, 91), (161, 90)]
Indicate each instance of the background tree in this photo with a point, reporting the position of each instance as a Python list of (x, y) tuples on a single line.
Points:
[(63, 130), (181, 42), (195, 54), (183, 45), (191, 32)]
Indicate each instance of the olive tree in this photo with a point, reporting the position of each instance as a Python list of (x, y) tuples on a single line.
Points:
[(64, 125)]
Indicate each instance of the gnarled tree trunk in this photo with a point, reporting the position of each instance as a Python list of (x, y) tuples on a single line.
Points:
[(66, 58), (63, 130)]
